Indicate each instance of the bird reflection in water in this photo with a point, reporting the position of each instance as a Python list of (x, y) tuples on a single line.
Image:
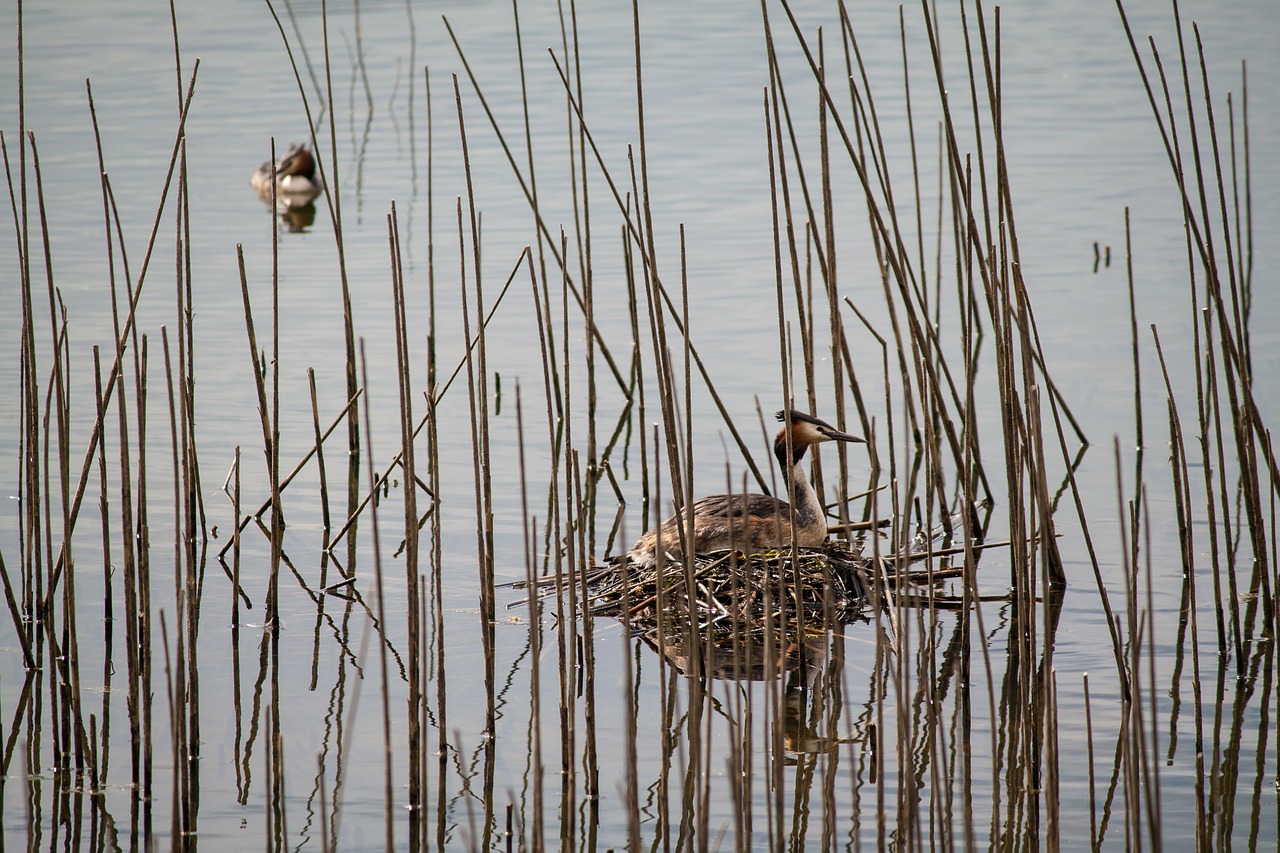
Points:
[(810, 702)]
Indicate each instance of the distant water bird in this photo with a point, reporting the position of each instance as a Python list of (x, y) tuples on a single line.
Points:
[(755, 523), (295, 175)]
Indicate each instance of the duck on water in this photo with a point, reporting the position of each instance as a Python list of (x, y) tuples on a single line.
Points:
[(295, 172), (754, 523)]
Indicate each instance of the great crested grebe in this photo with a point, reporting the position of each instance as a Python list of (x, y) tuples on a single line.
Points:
[(295, 174), (755, 523)]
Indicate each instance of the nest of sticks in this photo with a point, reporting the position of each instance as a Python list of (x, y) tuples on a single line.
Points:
[(741, 610), (729, 596)]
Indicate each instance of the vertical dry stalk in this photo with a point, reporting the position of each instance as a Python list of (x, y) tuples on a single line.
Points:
[(478, 388), (408, 462), (535, 632), (382, 611)]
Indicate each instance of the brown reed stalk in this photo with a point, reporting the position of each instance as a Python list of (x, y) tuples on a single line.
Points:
[(436, 396), (143, 687), (532, 171), (543, 231), (190, 513), (30, 537), (57, 398), (535, 631), (587, 501), (658, 338), (1135, 626), (15, 614), (133, 564), (571, 829), (664, 676), (333, 200), (478, 388), (410, 520), (543, 313), (1151, 793), (235, 544), (431, 235), (1197, 236), (634, 228), (1183, 506), (630, 785), (567, 571), (101, 751), (381, 605), (73, 505), (437, 656), (175, 748), (578, 175), (318, 448), (176, 681), (256, 359), (692, 642)]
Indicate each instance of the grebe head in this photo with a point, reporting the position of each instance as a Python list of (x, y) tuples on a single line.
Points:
[(296, 161), (806, 430), (295, 175)]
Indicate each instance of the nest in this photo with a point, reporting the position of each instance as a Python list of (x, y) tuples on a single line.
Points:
[(750, 616), (731, 596)]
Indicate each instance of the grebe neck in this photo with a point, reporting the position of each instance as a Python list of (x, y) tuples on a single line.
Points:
[(802, 496)]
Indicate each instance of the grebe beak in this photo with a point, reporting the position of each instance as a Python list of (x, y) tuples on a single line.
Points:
[(832, 434)]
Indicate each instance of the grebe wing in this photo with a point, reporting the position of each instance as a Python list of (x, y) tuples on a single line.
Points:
[(737, 506)]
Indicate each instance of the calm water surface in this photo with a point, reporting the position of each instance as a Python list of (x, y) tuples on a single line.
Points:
[(1082, 148)]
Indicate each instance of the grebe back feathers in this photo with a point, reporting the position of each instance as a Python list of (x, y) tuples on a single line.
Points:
[(755, 523)]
